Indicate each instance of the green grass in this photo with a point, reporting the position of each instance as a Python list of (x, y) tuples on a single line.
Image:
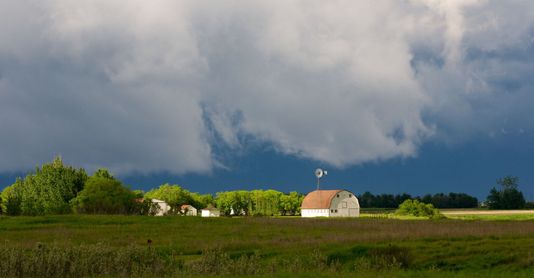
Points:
[(494, 217), (284, 247)]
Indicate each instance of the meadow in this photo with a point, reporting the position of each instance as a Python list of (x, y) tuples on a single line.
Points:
[(371, 246)]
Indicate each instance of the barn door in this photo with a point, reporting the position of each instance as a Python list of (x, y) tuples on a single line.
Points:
[(354, 211)]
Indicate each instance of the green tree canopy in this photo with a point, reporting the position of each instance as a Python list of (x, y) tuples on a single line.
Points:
[(508, 197), (416, 208), (50, 189), (103, 173), (290, 203), (11, 198), (174, 195), (103, 194)]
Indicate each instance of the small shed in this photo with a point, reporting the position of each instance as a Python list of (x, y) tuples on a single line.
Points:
[(188, 210), (210, 211), (330, 203), (163, 207)]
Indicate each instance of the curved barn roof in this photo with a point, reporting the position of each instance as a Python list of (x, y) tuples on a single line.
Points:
[(319, 199)]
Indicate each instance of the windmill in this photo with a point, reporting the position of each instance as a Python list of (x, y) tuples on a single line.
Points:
[(319, 173)]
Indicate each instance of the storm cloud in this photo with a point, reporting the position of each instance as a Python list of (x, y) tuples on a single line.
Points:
[(150, 86)]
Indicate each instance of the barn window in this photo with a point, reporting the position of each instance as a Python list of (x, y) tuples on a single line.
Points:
[(338, 195), (331, 210), (350, 195), (336, 211)]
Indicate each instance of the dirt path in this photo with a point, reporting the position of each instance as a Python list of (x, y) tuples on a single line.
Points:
[(486, 212)]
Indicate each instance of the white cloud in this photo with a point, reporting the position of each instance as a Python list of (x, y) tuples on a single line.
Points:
[(143, 85)]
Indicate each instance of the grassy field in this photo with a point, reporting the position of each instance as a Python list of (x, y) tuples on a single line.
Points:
[(78, 245)]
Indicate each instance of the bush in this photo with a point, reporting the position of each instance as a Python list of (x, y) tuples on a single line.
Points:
[(416, 208), (104, 195), (11, 199)]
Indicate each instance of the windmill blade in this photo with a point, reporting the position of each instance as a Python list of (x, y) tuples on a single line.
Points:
[(319, 173)]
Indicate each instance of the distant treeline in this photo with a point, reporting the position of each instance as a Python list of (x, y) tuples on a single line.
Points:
[(55, 188), (439, 200)]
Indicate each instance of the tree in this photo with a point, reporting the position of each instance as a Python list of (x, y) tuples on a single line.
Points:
[(509, 197), (239, 202), (51, 188), (200, 201), (290, 203), (11, 198), (103, 173), (265, 202), (174, 195), (103, 194)]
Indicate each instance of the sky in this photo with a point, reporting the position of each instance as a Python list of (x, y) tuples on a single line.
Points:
[(416, 96)]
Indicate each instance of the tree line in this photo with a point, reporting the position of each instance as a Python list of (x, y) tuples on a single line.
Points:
[(55, 188), (438, 200)]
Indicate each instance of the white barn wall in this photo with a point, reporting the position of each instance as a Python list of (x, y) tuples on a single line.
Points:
[(346, 205), (315, 212)]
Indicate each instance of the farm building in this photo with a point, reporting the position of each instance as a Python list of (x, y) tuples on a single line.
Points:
[(163, 209), (188, 210), (210, 211), (330, 203)]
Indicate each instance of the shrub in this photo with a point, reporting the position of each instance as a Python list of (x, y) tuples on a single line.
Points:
[(11, 199), (416, 208), (104, 195)]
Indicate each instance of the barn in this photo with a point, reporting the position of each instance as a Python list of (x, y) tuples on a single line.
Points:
[(330, 203)]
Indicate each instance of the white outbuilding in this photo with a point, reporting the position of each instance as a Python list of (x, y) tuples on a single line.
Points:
[(188, 210), (162, 209), (330, 203), (210, 211)]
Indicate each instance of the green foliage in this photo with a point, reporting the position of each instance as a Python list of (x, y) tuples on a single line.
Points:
[(451, 200), (200, 201), (50, 189), (258, 202), (103, 194), (11, 198), (290, 203), (509, 197), (176, 196), (419, 209), (138, 193), (238, 202), (103, 173), (265, 202)]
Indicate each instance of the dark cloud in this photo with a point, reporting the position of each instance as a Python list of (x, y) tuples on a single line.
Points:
[(161, 86)]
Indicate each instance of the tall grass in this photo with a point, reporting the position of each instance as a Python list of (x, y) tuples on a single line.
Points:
[(74, 246), (79, 261)]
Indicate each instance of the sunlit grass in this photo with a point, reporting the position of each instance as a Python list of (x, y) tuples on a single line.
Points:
[(494, 217)]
